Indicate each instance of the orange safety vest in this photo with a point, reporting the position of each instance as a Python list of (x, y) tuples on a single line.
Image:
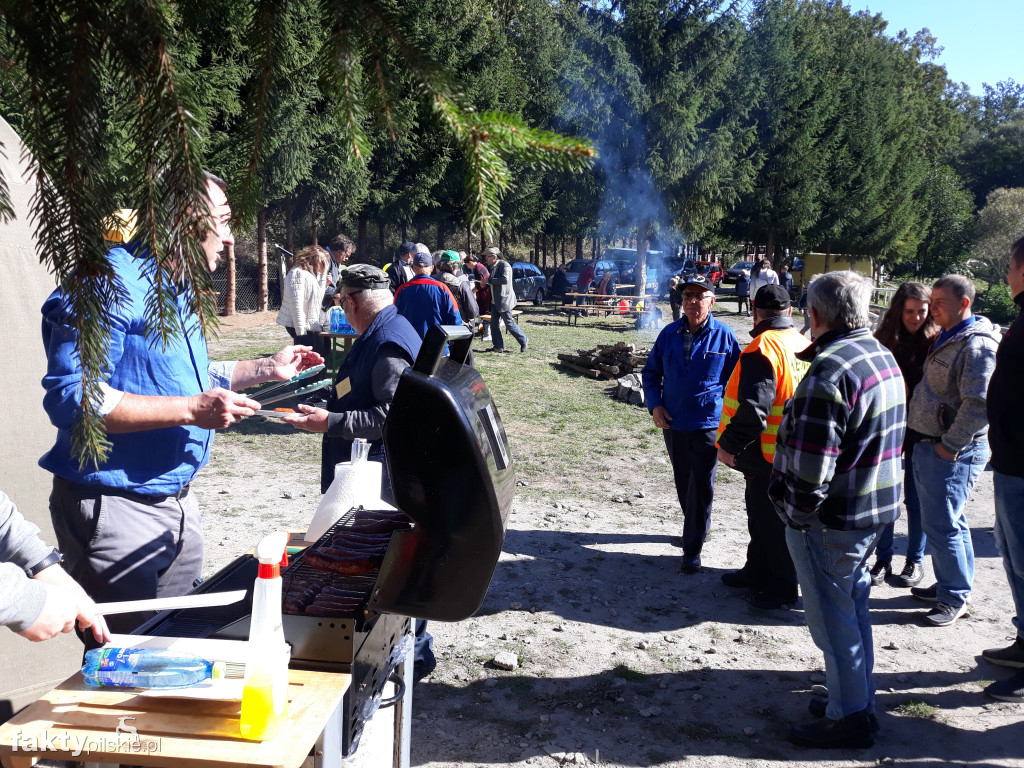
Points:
[(780, 348)]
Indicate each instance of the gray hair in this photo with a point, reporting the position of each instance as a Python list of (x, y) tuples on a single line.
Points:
[(375, 299), (958, 285), (421, 248), (841, 300)]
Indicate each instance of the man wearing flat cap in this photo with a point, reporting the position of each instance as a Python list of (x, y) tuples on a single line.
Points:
[(400, 270), (684, 379), (361, 397), (760, 386), (503, 301)]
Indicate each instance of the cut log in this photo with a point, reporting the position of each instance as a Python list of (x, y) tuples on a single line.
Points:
[(590, 373)]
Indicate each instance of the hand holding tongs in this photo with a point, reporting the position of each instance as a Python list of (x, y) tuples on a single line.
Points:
[(273, 388)]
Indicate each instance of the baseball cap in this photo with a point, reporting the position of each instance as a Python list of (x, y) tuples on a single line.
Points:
[(407, 248), (449, 256), (422, 259), (364, 276), (700, 280), (771, 297)]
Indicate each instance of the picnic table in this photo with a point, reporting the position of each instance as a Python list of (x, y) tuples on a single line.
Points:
[(604, 304), (346, 340)]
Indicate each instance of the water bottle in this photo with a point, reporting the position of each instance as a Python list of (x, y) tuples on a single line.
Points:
[(147, 668), (336, 314), (343, 325)]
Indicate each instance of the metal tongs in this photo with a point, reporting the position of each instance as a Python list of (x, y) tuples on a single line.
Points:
[(277, 390)]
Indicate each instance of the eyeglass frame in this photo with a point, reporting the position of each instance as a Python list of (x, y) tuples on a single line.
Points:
[(344, 296), (691, 296)]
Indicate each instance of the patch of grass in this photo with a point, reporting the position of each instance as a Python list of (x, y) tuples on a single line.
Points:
[(624, 672), (916, 708)]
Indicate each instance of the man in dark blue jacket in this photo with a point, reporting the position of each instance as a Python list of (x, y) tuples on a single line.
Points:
[(684, 383), (424, 301)]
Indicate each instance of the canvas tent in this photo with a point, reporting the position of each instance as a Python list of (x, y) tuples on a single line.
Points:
[(29, 669)]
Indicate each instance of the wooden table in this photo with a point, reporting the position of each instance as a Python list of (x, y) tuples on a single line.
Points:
[(346, 341), (75, 717)]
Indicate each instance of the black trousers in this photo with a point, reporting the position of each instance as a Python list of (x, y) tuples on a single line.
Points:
[(769, 566), (694, 460)]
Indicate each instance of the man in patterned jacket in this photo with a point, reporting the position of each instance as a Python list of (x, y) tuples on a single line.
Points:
[(836, 483)]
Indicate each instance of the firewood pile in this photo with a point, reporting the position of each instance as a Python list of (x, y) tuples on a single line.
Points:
[(605, 361)]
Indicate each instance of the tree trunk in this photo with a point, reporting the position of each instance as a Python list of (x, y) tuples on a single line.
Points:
[(312, 224), (769, 249), (593, 247), (229, 274), (419, 230), (483, 241), (261, 253), (579, 247), (440, 235), (640, 273), (405, 233), (289, 229), (361, 238), (380, 238)]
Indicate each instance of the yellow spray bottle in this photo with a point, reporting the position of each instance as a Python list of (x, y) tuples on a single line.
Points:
[(265, 693)]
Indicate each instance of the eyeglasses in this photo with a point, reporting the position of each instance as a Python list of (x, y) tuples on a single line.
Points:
[(696, 297), (350, 295)]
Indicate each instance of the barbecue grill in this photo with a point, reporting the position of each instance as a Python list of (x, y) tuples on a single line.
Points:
[(453, 485)]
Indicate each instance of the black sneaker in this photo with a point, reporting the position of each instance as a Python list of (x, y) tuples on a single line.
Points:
[(1008, 690), (910, 576), (1011, 656), (928, 594), (944, 614), (819, 705), (690, 564), (523, 346), (880, 571), (736, 579), (853, 731)]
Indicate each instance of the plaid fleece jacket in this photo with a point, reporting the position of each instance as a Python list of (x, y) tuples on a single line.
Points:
[(838, 455)]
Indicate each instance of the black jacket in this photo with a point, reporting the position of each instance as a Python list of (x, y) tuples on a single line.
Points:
[(1004, 404)]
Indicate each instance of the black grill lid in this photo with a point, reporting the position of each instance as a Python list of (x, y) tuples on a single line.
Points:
[(452, 474)]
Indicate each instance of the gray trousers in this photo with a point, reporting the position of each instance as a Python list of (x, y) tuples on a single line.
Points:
[(123, 546)]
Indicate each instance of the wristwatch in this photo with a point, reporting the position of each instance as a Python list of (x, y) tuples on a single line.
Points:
[(53, 558)]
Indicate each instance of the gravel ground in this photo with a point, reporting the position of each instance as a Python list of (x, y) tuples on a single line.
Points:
[(620, 659)]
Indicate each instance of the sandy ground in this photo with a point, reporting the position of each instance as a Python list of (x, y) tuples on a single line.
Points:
[(624, 661)]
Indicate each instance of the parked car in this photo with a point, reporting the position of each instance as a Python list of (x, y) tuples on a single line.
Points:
[(625, 261), (734, 271), (574, 267), (712, 270), (528, 282)]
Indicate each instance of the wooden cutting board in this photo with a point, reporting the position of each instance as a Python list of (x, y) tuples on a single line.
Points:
[(170, 732)]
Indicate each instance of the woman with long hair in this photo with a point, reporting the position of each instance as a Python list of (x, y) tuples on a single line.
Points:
[(302, 292), (907, 330), (762, 274)]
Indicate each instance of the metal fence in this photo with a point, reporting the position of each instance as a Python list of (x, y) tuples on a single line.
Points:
[(247, 285)]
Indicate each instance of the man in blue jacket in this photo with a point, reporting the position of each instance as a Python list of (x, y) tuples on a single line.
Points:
[(684, 383), (424, 301)]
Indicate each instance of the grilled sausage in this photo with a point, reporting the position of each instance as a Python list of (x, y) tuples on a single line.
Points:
[(346, 566)]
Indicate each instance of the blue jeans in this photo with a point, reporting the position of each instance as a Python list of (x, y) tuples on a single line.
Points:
[(832, 568), (944, 486), (1010, 538), (510, 326), (915, 532)]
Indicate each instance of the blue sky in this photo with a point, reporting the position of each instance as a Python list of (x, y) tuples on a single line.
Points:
[(977, 35)]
